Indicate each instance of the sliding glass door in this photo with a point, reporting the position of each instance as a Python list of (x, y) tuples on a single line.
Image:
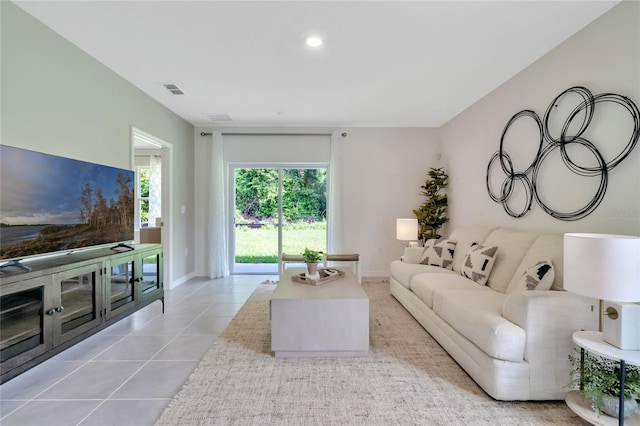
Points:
[(304, 207), (256, 220), (278, 209)]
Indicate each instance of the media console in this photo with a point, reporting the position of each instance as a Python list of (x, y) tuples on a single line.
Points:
[(66, 298)]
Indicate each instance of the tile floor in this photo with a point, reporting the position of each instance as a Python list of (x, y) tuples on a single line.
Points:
[(127, 373)]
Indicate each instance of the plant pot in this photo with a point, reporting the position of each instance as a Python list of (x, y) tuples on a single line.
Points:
[(610, 405), (312, 268)]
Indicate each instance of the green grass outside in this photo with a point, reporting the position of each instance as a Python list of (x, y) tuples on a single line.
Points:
[(260, 245)]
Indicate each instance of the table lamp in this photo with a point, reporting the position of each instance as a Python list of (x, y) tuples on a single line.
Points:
[(607, 267), (407, 230)]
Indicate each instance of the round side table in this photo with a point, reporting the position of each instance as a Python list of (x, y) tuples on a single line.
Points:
[(592, 341)]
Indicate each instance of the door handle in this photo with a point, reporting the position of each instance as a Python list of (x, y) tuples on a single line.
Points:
[(54, 310)]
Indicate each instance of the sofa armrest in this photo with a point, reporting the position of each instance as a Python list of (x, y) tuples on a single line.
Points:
[(549, 319), (412, 254)]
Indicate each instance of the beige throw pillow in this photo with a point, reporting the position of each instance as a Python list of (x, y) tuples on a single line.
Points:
[(538, 277), (478, 263), (438, 253)]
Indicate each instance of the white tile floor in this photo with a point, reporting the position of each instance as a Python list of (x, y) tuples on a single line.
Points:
[(127, 373)]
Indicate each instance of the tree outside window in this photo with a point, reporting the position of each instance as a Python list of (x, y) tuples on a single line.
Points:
[(143, 196)]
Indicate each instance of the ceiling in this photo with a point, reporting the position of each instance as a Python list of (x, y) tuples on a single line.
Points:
[(383, 63)]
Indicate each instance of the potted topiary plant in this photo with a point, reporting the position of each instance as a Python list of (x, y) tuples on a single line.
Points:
[(311, 258), (599, 380), (432, 214)]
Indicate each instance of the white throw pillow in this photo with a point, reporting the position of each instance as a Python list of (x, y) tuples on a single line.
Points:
[(438, 253), (478, 263), (538, 277)]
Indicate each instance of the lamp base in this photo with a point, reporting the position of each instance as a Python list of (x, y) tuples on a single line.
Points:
[(622, 331)]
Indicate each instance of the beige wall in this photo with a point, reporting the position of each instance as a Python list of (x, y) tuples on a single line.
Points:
[(59, 100), (382, 170), (604, 57)]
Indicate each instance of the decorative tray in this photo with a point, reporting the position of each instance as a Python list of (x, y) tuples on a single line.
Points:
[(326, 275)]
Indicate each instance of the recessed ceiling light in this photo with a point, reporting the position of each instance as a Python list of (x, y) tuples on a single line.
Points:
[(313, 41)]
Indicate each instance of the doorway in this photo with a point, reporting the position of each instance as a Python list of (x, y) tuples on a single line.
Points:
[(158, 200), (277, 208)]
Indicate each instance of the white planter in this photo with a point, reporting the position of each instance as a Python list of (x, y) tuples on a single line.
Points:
[(611, 405), (312, 268)]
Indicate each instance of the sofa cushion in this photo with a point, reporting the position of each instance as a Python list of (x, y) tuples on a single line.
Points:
[(464, 237), (425, 285), (403, 272), (438, 253), (477, 315), (538, 277), (513, 247), (546, 246), (479, 262)]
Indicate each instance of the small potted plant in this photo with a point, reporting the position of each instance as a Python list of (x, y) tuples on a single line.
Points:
[(311, 258), (599, 379)]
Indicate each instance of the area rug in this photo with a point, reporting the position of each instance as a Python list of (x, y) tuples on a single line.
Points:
[(407, 379)]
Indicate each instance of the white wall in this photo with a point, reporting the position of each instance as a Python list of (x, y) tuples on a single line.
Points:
[(382, 170), (57, 99), (381, 173), (604, 57), (277, 148)]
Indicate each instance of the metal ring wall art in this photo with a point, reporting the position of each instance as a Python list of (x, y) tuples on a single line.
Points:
[(578, 120)]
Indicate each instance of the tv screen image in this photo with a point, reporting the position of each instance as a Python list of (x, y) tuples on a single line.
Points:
[(51, 204)]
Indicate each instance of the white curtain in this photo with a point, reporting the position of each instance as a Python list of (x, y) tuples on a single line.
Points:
[(334, 214), (218, 247), (155, 189)]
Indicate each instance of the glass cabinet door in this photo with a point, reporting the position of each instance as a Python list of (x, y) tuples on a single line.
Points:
[(80, 302), (21, 317), (22, 320), (120, 287), (150, 277)]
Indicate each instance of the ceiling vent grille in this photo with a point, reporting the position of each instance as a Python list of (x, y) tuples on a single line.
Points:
[(173, 89), (219, 117)]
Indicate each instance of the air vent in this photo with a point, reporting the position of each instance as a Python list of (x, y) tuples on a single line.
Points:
[(173, 89), (219, 117)]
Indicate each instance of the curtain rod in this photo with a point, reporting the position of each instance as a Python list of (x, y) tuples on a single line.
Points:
[(266, 134)]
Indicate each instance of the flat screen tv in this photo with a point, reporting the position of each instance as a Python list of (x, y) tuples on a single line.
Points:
[(52, 204)]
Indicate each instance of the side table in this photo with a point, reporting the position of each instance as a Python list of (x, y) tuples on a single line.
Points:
[(592, 341)]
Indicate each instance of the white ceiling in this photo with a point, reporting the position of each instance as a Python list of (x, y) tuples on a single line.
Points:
[(387, 63)]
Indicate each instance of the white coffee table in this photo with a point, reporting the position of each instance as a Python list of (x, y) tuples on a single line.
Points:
[(331, 319)]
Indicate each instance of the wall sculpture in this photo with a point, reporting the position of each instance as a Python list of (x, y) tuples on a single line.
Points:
[(572, 133)]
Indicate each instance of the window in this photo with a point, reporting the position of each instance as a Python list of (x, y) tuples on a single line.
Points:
[(142, 196)]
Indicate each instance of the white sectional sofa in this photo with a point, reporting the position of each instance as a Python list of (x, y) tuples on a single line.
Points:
[(514, 343)]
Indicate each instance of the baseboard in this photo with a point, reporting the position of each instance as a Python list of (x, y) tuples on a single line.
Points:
[(375, 279), (182, 280), (376, 274)]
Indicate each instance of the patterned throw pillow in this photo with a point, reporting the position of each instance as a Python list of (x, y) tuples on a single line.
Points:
[(438, 253), (479, 262), (538, 277)]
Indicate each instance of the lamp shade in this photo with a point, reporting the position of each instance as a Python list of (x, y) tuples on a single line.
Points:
[(407, 229), (602, 266)]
